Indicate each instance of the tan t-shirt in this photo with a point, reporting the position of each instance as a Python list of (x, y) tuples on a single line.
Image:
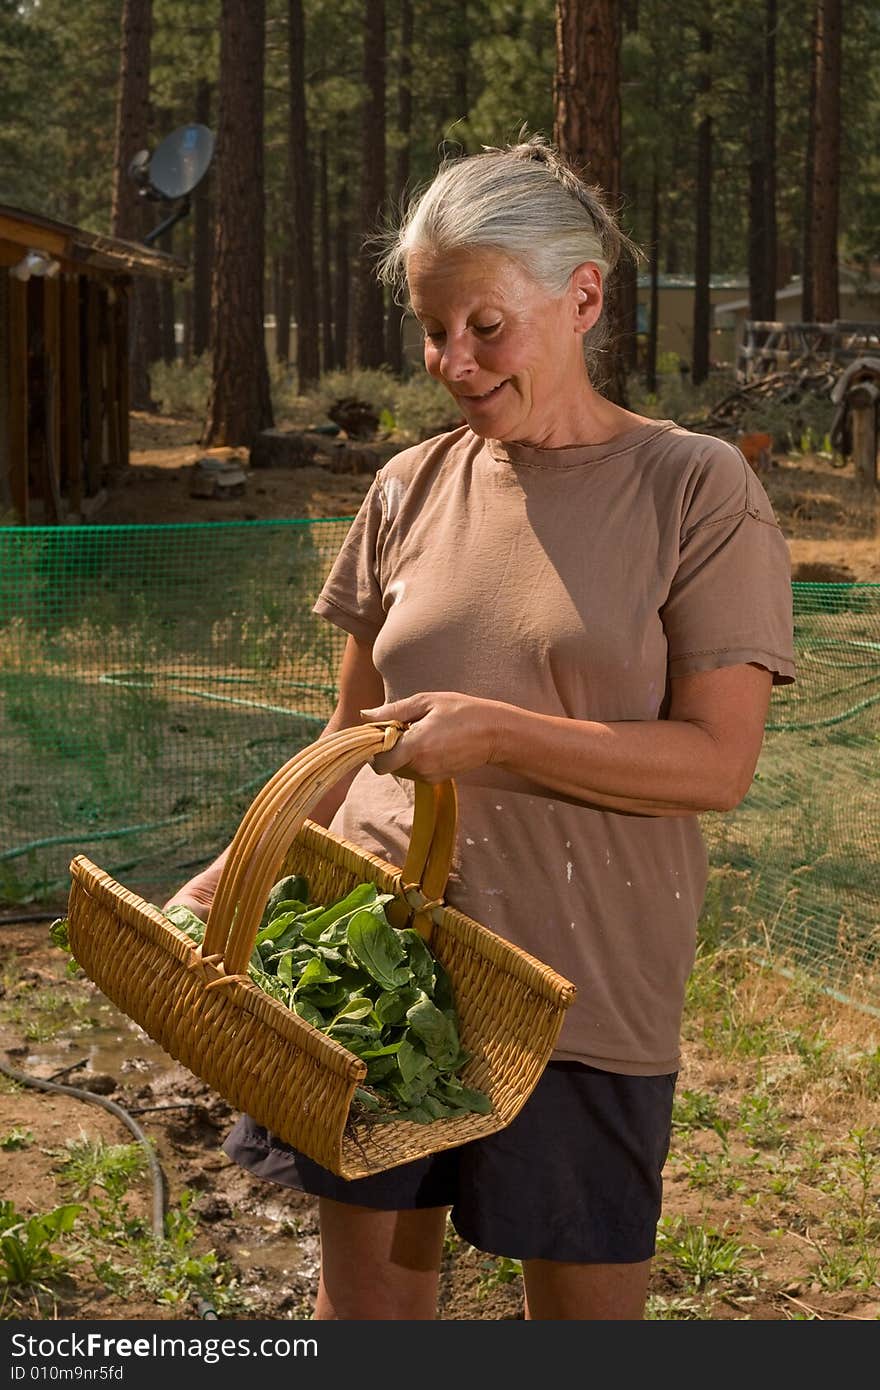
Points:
[(573, 582)]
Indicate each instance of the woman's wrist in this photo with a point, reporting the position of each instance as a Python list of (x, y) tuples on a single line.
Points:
[(505, 730)]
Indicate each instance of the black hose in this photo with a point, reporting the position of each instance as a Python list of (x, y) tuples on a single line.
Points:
[(24, 917)]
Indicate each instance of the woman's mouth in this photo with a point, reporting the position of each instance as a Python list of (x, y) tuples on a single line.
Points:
[(484, 397)]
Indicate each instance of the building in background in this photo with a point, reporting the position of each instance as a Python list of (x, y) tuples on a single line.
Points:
[(64, 385), (859, 303)]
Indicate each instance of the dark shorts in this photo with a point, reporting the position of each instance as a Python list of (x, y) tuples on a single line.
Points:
[(575, 1177)]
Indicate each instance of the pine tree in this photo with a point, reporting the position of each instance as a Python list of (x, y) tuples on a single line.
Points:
[(240, 404), (587, 128), (129, 214), (369, 328)]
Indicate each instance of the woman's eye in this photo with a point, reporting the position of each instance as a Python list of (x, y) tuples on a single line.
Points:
[(487, 328)]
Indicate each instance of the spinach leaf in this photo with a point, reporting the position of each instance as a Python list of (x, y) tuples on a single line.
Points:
[(419, 959), (316, 972), (377, 947), (361, 896), (308, 1011), (292, 887), (436, 1030), (391, 1006), (186, 921)]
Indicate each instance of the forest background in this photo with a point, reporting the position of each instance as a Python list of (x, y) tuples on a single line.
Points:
[(736, 138)]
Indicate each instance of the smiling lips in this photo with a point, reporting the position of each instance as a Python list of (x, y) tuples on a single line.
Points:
[(485, 396)]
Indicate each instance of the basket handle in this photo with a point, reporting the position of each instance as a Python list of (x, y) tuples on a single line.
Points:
[(278, 811)]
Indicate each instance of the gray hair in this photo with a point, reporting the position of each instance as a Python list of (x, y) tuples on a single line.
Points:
[(524, 200)]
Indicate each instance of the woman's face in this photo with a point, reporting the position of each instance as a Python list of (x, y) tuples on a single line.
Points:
[(508, 353)]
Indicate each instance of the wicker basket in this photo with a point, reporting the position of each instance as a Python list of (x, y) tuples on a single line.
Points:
[(200, 1006)]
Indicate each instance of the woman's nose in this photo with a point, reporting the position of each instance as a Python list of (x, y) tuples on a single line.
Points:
[(457, 360)]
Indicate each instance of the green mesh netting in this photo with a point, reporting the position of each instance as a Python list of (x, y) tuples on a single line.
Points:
[(798, 861), (154, 677)]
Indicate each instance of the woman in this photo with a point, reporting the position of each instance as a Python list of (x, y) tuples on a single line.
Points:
[(579, 612)]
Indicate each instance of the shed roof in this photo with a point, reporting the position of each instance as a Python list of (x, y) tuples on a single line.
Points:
[(687, 282), (850, 282), (84, 249)]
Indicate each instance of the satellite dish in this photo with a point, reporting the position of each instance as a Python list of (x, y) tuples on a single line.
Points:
[(173, 170), (181, 161)]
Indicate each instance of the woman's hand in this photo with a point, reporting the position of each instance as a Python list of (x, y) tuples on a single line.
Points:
[(198, 893), (448, 734)]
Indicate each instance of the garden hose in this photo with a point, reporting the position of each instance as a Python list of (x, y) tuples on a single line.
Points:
[(205, 1308)]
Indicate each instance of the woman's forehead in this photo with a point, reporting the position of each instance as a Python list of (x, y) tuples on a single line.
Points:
[(464, 274)]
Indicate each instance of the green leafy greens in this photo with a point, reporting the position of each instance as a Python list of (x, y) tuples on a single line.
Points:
[(377, 991)]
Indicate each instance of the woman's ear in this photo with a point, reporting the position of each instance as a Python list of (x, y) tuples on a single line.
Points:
[(586, 284)]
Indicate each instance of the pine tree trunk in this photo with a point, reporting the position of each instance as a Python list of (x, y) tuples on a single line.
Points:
[(394, 320), (654, 307), (203, 241), (342, 282), (302, 197), (282, 308), (826, 167), (703, 246), (129, 217), (240, 404), (808, 308), (324, 261), (628, 271), (770, 236), (462, 59), (587, 130), (369, 328), (757, 240)]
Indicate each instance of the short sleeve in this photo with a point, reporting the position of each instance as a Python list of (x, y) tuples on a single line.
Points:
[(730, 601), (351, 597)]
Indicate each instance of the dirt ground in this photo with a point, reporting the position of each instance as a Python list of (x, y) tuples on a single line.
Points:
[(833, 531)]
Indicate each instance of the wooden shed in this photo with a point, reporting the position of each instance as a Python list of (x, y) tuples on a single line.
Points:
[(64, 382)]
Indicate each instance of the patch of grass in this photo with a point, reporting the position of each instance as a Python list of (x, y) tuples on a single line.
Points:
[(713, 1173), (703, 1254), (89, 1163), (761, 1120), (697, 1110), (844, 1268)]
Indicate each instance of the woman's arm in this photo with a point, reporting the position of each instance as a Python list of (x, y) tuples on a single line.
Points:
[(702, 757), (359, 682)]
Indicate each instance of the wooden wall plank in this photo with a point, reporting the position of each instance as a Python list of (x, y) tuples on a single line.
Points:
[(111, 379), (95, 368), (71, 404), (18, 399), (122, 352), (52, 348)]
